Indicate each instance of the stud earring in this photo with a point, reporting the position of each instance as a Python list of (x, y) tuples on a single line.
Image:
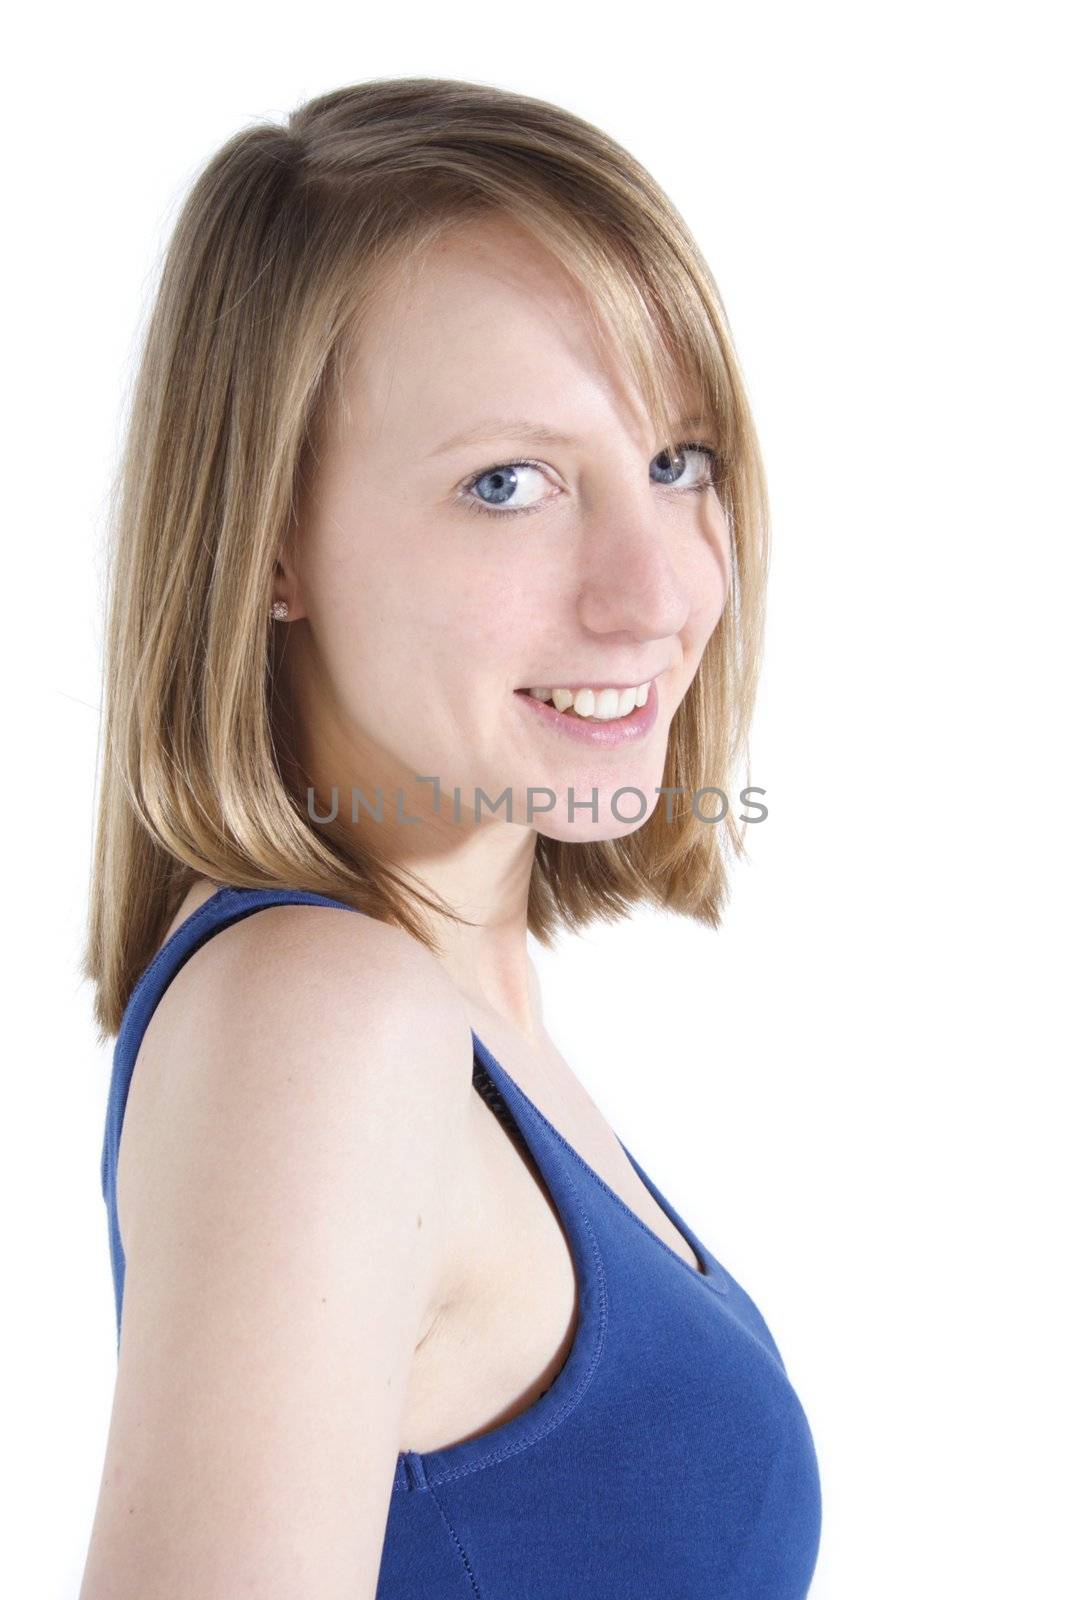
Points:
[(279, 610)]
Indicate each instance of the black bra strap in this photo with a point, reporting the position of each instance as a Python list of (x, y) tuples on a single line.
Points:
[(495, 1101)]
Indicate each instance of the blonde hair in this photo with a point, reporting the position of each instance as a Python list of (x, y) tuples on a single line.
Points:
[(278, 247)]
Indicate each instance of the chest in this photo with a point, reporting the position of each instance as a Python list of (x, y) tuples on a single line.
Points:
[(506, 1330)]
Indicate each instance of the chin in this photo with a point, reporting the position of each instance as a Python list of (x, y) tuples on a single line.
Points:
[(578, 832)]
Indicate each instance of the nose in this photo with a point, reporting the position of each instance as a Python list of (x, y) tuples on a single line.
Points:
[(628, 583)]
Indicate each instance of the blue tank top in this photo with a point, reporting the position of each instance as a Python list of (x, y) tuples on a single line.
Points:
[(669, 1459)]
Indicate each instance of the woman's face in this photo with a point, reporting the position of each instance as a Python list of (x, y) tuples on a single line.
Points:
[(435, 577)]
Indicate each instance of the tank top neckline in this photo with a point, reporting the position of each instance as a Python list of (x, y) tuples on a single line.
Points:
[(554, 1157), (708, 1271)]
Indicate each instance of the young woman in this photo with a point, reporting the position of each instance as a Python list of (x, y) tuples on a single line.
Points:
[(436, 606)]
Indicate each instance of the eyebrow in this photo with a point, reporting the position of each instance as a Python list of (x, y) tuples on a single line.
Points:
[(490, 428)]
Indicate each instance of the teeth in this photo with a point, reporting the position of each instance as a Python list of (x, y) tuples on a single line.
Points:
[(603, 705)]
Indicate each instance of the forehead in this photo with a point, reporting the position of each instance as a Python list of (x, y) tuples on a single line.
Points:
[(485, 321)]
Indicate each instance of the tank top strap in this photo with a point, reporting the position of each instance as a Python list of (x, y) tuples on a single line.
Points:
[(525, 1124), (518, 1115)]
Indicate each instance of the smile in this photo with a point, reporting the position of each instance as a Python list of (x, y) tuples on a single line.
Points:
[(603, 705), (604, 718)]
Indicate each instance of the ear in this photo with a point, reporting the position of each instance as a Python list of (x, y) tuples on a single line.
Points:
[(286, 587)]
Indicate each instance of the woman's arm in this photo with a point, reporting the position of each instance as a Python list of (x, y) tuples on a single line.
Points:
[(285, 1211)]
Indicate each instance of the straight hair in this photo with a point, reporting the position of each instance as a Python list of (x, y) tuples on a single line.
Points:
[(283, 239)]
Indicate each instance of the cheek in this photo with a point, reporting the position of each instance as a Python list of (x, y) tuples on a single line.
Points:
[(395, 624), (706, 578)]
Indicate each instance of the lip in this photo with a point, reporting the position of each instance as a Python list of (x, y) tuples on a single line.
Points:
[(587, 730), (599, 683)]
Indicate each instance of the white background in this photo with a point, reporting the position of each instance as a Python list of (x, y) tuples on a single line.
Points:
[(848, 1090)]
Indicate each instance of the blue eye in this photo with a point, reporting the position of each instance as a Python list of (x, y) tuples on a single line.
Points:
[(672, 460), (504, 483), (500, 482)]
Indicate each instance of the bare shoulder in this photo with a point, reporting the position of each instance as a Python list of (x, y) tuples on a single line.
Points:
[(324, 951), (311, 1013), (288, 1158), (289, 976)]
